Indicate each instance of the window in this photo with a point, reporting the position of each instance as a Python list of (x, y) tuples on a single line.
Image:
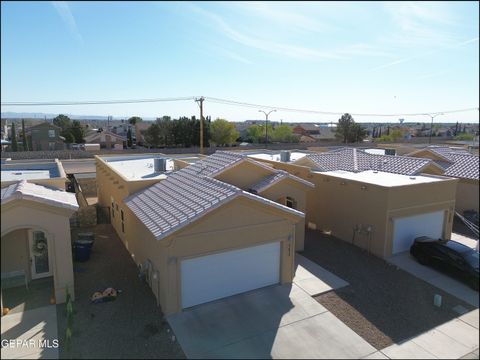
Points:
[(123, 222), (51, 146), (113, 207), (51, 133), (290, 202)]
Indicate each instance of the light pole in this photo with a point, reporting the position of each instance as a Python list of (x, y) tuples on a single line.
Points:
[(266, 123), (431, 125)]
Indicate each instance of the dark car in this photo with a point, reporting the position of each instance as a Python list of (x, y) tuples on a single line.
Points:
[(448, 256)]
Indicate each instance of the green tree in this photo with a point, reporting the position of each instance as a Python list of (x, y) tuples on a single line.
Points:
[(63, 122), (349, 131), (464, 137), (14, 138), (129, 137), (344, 127), (223, 132), (77, 131), (153, 135), (24, 137), (134, 119), (283, 133), (69, 138)]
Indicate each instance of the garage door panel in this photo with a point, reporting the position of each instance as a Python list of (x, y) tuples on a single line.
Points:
[(408, 228), (215, 276)]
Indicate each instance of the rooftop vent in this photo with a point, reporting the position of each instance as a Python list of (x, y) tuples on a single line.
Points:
[(285, 156), (160, 165)]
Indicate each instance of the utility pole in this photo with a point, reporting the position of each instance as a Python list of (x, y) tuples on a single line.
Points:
[(266, 123), (431, 125), (200, 104)]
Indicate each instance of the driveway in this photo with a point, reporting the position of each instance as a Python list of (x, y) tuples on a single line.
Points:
[(281, 321), (32, 334), (408, 263)]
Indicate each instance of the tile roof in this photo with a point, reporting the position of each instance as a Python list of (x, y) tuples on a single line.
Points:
[(458, 162), (277, 176), (464, 166), (356, 160), (189, 194), (23, 190)]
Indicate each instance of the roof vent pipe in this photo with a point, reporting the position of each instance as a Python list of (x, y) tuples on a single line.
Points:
[(160, 165), (285, 156)]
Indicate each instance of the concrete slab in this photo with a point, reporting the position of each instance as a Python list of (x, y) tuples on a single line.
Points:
[(462, 291), (314, 279), (279, 322), (36, 328), (441, 345), (407, 350), (320, 337), (376, 355), (461, 332), (471, 318)]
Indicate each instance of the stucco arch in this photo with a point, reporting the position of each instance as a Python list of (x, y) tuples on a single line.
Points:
[(55, 223)]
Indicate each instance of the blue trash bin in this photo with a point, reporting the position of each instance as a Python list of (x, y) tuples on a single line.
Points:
[(82, 252)]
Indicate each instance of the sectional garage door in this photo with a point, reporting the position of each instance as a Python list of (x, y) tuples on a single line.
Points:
[(408, 228), (216, 276)]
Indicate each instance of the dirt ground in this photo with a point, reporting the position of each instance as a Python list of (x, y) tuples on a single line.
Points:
[(383, 304), (132, 326)]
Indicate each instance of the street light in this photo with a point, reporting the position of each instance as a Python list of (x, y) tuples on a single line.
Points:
[(431, 125), (266, 123)]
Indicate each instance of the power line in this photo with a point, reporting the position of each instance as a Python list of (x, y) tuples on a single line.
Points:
[(94, 102), (224, 102), (250, 105)]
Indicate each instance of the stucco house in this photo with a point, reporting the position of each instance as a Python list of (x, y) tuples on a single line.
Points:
[(46, 136), (106, 139), (460, 164), (35, 227), (377, 202), (204, 229)]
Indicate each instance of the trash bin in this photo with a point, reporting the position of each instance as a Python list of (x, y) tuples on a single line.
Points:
[(82, 252), (84, 242)]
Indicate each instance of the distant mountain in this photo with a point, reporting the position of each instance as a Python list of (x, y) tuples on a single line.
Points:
[(21, 115)]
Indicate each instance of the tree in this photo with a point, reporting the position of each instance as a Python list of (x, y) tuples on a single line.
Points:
[(24, 137), (134, 119), (357, 133), (283, 133), (129, 137), (344, 127), (69, 138), (63, 122), (223, 132), (77, 131), (14, 138), (153, 135)]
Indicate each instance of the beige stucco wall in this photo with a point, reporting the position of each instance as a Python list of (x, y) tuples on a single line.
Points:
[(244, 175), (55, 223), (298, 192), (467, 195), (15, 255), (238, 224)]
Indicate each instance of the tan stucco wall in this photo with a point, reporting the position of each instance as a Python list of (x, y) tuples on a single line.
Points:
[(467, 195), (55, 223), (244, 175), (57, 183), (298, 192), (238, 224), (15, 255)]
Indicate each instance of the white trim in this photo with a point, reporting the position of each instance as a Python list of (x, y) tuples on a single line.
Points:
[(34, 275)]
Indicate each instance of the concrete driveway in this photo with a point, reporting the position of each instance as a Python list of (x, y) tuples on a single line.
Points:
[(448, 284), (31, 334), (280, 321)]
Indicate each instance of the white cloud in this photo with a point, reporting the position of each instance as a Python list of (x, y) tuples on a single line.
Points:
[(284, 49), (63, 9)]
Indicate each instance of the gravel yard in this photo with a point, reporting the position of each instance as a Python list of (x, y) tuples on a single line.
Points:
[(132, 326), (383, 304)]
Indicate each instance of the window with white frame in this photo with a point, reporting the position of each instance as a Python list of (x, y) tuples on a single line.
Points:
[(51, 133)]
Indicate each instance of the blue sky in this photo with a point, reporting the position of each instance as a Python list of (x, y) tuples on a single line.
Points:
[(359, 57)]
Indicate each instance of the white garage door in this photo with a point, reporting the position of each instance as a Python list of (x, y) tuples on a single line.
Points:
[(228, 273), (408, 228)]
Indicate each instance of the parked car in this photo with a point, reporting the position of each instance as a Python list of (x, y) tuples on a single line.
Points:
[(449, 256)]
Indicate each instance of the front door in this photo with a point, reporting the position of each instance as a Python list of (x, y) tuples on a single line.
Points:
[(39, 255)]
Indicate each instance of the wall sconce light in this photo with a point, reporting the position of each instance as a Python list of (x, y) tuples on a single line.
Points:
[(363, 187)]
